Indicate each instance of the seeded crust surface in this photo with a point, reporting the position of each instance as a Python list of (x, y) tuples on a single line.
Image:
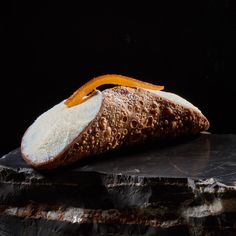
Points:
[(128, 116)]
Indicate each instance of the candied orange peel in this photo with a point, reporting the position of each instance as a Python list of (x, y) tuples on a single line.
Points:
[(79, 95)]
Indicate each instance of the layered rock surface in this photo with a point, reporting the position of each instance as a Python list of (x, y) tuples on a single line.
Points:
[(185, 187)]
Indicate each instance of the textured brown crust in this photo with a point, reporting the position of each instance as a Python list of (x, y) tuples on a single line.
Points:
[(128, 116)]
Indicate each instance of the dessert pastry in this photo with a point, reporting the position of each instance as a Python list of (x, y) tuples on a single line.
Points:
[(91, 122)]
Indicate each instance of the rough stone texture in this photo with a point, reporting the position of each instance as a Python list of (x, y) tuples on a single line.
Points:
[(186, 187)]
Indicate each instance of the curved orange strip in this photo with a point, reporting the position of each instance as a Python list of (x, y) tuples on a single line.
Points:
[(78, 96)]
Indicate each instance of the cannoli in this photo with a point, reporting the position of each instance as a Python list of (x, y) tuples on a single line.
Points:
[(91, 122)]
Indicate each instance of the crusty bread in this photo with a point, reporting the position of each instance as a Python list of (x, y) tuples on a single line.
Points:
[(127, 116)]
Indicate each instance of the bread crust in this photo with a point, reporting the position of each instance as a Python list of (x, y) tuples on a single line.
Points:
[(128, 116)]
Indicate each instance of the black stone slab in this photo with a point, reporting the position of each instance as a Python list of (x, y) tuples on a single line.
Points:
[(185, 186)]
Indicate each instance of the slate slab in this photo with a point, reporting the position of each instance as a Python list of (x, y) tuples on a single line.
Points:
[(184, 187)]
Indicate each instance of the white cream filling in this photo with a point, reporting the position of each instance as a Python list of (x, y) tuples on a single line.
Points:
[(175, 98), (52, 131)]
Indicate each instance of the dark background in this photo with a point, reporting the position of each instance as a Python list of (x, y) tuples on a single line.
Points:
[(50, 49)]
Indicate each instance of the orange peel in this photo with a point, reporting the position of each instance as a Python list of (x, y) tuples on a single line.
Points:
[(79, 95)]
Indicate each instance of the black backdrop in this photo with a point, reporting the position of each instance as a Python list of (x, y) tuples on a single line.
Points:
[(50, 49)]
